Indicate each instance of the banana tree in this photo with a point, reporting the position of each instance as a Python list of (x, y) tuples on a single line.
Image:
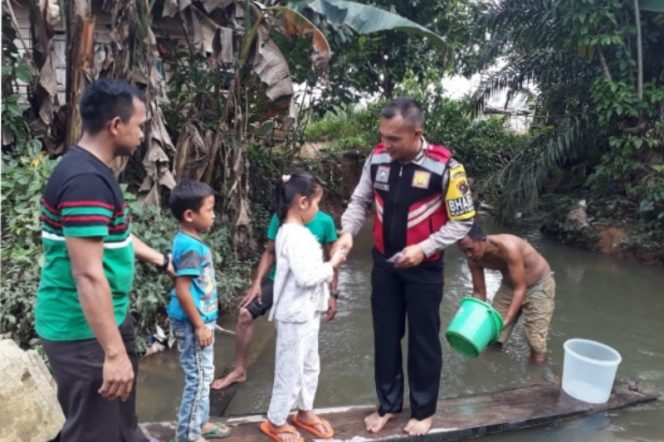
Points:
[(235, 39), (238, 34)]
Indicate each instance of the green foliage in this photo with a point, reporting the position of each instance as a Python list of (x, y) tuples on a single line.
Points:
[(192, 85), (483, 145), (367, 19), (592, 126), (362, 66), (346, 128), (13, 120), (23, 180), (24, 170), (635, 153), (266, 166), (22, 184)]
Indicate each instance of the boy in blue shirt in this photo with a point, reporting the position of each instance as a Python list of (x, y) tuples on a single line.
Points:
[(192, 310)]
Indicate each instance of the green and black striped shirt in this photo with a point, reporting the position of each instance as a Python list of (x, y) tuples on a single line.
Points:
[(82, 199)]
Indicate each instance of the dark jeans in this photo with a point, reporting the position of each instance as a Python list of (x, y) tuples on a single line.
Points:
[(77, 368), (413, 293)]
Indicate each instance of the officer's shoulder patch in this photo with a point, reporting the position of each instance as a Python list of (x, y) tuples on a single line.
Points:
[(458, 198)]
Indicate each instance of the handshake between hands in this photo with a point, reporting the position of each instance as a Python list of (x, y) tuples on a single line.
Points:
[(338, 257)]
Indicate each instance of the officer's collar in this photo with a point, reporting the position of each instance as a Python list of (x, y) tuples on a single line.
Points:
[(419, 157), (424, 146)]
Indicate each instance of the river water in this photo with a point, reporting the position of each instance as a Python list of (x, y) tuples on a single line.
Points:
[(612, 301)]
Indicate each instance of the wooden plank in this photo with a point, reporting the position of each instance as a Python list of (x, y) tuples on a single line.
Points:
[(457, 418)]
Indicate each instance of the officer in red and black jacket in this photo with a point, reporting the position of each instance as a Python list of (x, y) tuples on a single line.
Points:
[(422, 205)]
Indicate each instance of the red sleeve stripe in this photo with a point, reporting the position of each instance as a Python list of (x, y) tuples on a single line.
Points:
[(49, 208), (58, 225), (84, 218), (86, 203), (118, 228), (51, 222)]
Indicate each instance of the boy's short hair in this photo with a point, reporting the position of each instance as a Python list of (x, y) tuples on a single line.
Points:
[(188, 195), (476, 233), (106, 99)]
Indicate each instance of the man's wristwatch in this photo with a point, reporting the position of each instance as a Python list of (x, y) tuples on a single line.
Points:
[(334, 294), (164, 265)]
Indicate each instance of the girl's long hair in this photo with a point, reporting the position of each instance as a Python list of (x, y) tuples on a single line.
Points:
[(289, 186)]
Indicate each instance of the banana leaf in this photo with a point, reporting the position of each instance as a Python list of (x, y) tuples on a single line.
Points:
[(652, 5), (366, 19)]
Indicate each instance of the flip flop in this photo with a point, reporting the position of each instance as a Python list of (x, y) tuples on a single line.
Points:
[(311, 427), (273, 433), (220, 431)]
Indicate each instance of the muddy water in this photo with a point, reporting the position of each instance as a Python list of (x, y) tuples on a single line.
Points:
[(615, 302)]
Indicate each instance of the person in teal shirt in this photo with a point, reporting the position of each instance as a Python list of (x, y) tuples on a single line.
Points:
[(258, 299)]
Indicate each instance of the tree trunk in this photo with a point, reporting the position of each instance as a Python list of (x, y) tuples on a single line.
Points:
[(388, 85), (43, 97), (80, 44), (639, 49), (605, 66), (231, 144)]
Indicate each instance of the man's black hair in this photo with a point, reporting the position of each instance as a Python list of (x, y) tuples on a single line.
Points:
[(476, 233), (409, 109), (188, 195), (106, 99)]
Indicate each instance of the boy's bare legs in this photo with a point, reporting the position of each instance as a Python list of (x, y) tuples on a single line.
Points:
[(375, 422), (416, 427), (245, 331)]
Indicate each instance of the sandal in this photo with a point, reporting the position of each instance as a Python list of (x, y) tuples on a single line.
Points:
[(220, 431), (273, 433), (311, 427)]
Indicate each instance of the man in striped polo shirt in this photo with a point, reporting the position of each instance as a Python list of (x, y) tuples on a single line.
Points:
[(82, 306)]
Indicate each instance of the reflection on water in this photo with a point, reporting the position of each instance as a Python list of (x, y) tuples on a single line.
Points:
[(615, 302)]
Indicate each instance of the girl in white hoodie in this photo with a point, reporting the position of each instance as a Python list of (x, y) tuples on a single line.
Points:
[(300, 297)]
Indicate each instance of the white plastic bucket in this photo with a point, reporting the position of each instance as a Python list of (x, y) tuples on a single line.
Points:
[(589, 369)]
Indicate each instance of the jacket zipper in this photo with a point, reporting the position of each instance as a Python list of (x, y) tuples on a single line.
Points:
[(394, 201)]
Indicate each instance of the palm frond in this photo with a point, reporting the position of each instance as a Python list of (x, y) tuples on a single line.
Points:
[(519, 183)]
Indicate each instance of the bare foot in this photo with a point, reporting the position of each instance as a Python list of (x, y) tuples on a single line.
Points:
[(375, 422), (236, 376), (416, 427)]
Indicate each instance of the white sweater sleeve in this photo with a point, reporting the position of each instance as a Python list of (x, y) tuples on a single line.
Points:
[(306, 262)]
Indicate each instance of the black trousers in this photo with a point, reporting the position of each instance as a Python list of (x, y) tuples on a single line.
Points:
[(77, 368), (397, 294)]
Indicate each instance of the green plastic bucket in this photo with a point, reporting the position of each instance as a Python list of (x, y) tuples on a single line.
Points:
[(475, 325)]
